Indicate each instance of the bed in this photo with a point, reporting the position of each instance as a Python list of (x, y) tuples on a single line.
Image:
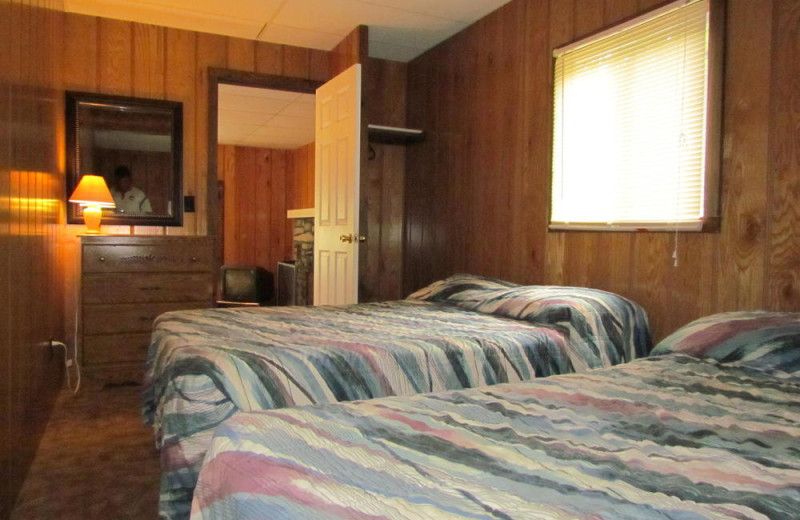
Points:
[(461, 332), (707, 427)]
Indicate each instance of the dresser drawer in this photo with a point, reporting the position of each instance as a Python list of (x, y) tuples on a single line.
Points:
[(127, 318), (147, 287), (163, 256), (115, 348)]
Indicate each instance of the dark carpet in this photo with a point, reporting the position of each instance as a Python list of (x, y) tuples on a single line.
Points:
[(97, 460)]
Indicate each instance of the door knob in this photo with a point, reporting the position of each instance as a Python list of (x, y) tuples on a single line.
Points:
[(350, 238)]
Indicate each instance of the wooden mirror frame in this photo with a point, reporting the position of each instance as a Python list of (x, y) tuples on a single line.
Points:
[(174, 187)]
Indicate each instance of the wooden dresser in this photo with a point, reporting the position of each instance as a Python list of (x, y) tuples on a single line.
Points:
[(126, 281)]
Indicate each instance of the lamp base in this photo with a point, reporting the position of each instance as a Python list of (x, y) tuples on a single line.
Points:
[(92, 215)]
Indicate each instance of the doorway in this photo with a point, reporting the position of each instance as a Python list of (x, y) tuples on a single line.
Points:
[(262, 169)]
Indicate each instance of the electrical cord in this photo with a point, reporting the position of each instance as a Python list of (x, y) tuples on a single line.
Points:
[(68, 362)]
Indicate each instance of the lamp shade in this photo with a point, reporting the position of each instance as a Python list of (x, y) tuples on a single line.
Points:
[(92, 190)]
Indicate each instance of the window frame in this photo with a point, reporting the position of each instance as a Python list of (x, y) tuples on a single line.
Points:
[(710, 221)]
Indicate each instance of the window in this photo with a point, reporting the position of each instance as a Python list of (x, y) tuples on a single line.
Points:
[(635, 127)]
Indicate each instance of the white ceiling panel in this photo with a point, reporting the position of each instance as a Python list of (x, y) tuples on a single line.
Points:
[(245, 118), (466, 11), (422, 37), (278, 33), (290, 122), (167, 17), (341, 16), (265, 118), (252, 104), (390, 51), (299, 110)]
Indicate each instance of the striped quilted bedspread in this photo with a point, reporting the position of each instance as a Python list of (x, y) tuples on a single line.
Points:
[(463, 332), (673, 437)]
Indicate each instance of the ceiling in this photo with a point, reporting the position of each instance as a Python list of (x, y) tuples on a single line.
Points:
[(398, 29), (264, 118)]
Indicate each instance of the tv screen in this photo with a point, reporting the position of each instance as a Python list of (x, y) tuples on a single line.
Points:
[(246, 284)]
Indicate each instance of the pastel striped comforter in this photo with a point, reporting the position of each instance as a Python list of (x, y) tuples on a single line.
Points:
[(463, 332), (673, 437)]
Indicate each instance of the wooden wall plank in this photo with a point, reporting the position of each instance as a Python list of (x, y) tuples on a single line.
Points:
[(269, 58), (277, 231), (114, 63), (319, 65), (80, 52), (296, 62), (245, 204), (32, 282), (783, 287), (211, 51), (745, 154), (262, 238), (149, 61), (180, 80), (353, 49), (241, 54)]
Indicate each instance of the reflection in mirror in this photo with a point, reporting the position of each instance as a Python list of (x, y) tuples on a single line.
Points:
[(135, 145)]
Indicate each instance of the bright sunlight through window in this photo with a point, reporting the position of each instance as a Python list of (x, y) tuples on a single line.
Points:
[(631, 124)]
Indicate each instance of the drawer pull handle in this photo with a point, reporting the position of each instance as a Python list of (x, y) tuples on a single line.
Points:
[(194, 259), (102, 259)]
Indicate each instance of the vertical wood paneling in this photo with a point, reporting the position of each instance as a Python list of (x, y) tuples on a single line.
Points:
[(751, 263), (80, 51), (180, 85), (269, 58), (241, 54), (149, 76), (263, 238), (353, 49), (244, 212), (32, 279), (382, 186), (114, 62), (296, 62), (259, 185), (783, 288), (278, 223), (211, 51), (149, 61), (745, 154)]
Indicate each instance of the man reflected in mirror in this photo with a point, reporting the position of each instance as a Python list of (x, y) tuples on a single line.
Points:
[(129, 199)]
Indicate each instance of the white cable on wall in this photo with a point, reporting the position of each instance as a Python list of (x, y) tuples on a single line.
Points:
[(69, 362)]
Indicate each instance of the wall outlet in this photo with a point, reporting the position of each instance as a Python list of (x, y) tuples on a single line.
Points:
[(69, 363)]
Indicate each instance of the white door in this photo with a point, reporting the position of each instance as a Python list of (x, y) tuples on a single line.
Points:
[(338, 164)]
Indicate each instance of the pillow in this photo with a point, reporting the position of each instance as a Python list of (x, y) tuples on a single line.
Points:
[(602, 328), (460, 287), (759, 339), (609, 328)]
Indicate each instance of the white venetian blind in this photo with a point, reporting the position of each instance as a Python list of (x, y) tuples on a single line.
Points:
[(629, 136)]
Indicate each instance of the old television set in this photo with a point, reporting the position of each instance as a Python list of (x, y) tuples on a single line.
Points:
[(245, 285)]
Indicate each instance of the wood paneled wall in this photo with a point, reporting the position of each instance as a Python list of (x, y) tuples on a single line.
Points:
[(259, 186), (300, 178), (31, 221), (133, 59), (477, 190), (383, 185)]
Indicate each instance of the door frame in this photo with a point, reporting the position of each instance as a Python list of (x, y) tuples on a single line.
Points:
[(217, 76)]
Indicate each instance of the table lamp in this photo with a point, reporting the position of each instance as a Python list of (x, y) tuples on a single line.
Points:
[(93, 195)]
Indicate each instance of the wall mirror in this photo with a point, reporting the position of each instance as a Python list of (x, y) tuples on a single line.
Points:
[(136, 145)]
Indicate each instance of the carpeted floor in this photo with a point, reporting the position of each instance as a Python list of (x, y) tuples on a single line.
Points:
[(97, 460)]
